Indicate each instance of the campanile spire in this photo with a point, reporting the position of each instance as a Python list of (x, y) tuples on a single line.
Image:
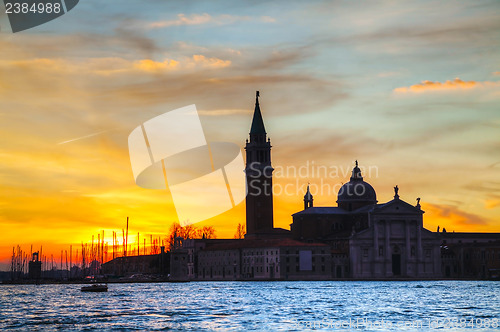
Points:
[(257, 130), (259, 176)]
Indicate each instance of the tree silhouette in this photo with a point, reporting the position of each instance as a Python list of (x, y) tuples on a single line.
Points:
[(189, 232), (240, 231)]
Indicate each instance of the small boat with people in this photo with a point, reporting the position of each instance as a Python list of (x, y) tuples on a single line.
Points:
[(94, 285), (95, 288)]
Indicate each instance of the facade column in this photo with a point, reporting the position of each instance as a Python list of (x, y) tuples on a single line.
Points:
[(408, 246), (419, 248), (461, 261), (388, 265), (376, 258)]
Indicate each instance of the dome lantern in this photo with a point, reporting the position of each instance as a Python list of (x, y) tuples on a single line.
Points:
[(308, 199)]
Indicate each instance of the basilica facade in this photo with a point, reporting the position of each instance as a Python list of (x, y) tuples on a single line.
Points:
[(370, 239)]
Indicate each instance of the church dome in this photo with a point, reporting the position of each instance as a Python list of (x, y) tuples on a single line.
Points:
[(356, 193)]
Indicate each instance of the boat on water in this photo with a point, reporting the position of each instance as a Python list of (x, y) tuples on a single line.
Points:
[(95, 288), (94, 285)]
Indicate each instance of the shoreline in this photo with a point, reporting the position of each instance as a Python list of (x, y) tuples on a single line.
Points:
[(82, 282)]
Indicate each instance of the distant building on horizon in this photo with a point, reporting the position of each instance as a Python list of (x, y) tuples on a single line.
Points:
[(35, 267)]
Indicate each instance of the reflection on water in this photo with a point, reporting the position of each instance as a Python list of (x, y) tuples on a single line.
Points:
[(255, 306)]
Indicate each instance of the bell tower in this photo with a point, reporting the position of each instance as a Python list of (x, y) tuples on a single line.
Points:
[(308, 199), (259, 177)]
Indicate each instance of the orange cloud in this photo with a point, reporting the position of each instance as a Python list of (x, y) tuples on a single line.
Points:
[(109, 66), (210, 62), (492, 203), (452, 217), (150, 65), (196, 61), (456, 84)]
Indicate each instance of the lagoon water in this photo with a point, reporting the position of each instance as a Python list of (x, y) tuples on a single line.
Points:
[(261, 306)]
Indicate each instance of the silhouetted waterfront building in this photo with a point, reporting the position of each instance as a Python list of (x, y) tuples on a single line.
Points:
[(35, 267), (158, 264), (265, 259), (178, 261), (470, 255)]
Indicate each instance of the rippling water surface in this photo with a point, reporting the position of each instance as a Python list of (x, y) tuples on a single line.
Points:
[(238, 306)]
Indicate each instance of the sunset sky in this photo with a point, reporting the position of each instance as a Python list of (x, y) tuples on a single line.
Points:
[(411, 89)]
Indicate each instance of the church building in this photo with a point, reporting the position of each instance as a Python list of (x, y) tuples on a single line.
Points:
[(370, 240)]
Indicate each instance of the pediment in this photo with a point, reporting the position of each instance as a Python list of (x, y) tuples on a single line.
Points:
[(397, 206)]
